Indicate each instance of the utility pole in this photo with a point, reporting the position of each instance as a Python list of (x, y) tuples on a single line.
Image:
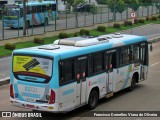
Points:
[(24, 17)]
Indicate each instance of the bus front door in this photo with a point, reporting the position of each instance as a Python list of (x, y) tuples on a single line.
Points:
[(80, 73), (109, 67), (144, 61)]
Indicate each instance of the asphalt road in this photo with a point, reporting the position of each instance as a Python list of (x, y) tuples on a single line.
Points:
[(144, 98), (4, 67)]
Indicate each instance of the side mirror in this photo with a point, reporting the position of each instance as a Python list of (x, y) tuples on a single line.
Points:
[(151, 48)]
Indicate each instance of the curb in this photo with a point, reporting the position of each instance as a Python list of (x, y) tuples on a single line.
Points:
[(4, 81)]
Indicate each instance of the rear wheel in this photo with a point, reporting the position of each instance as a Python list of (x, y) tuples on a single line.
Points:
[(93, 99), (133, 83)]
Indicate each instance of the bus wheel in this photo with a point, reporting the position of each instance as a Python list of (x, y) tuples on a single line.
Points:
[(133, 83), (93, 99), (46, 22)]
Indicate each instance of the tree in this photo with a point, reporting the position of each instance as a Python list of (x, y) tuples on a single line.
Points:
[(116, 6), (133, 4), (158, 6)]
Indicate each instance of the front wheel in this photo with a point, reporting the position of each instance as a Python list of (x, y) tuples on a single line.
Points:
[(93, 99), (133, 83)]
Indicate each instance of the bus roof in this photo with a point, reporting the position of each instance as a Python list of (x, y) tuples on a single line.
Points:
[(66, 51), (35, 3)]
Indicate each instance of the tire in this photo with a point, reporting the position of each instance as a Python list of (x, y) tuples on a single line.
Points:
[(133, 83), (46, 22), (93, 99)]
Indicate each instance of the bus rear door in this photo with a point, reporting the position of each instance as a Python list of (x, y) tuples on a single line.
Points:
[(80, 74), (109, 67)]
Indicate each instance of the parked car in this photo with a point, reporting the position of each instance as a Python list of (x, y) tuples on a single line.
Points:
[(84, 7)]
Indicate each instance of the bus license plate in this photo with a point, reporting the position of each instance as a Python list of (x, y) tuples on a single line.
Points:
[(30, 106)]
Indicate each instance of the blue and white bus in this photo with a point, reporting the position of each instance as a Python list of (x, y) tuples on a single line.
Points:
[(77, 71), (37, 13)]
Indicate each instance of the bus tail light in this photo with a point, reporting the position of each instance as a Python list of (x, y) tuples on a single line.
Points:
[(11, 91), (52, 97)]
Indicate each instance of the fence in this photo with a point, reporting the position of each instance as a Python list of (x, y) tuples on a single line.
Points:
[(69, 20)]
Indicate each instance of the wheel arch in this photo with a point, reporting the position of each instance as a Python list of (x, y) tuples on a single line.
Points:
[(136, 74), (94, 88)]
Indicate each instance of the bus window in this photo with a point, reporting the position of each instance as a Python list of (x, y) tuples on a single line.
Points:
[(110, 61), (32, 68), (98, 62), (80, 70), (43, 8), (136, 53), (34, 9), (53, 7), (39, 8), (66, 71), (124, 55)]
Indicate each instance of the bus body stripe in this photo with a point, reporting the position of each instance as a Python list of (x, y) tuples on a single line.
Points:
[(40, 17), (34, 19), (127, 78)]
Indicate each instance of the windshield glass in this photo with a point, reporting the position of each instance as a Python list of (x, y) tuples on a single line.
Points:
[(32, 68), (13, 12)]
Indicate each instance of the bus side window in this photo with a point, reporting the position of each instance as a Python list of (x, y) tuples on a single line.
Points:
[(98, 62), (34, 9), (43, 8), (124, 55), (53, 7), (39, 9), (136, 53), (66, 71)]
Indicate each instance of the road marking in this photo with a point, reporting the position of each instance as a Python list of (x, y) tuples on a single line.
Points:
[(155, 64)]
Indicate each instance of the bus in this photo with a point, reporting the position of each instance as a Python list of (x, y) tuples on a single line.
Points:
[(37, 13), (77, 71)]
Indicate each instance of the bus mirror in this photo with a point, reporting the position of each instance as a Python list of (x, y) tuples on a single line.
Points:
[(151, 48)]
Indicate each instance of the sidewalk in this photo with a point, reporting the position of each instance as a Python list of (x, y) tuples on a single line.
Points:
[(4, 77)]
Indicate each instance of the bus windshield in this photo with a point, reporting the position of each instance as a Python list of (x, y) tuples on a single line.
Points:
[(13, 12), (32, 68)]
